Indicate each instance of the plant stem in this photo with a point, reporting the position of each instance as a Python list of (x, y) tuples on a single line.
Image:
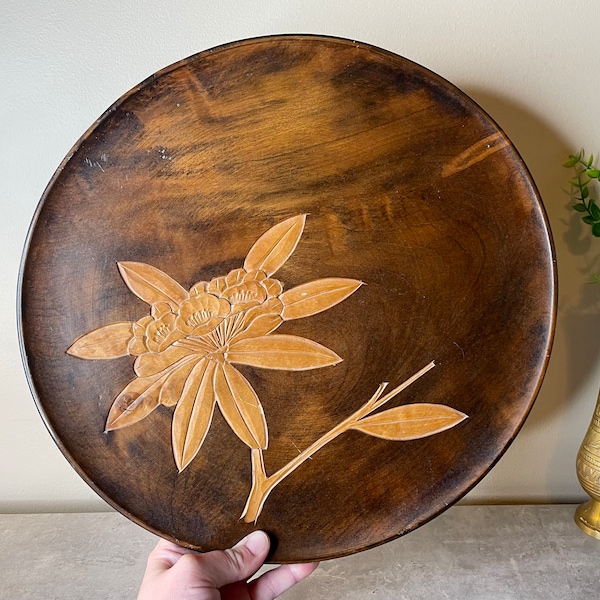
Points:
[(263, 485)]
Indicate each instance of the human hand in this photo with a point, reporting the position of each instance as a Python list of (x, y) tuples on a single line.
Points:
[(175, 573)]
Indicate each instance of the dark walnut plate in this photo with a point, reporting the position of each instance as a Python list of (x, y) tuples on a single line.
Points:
[(234, 261)]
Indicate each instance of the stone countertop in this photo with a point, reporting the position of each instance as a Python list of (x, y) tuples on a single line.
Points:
[(469, 552)]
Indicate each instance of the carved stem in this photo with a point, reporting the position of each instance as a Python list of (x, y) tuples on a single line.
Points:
[(404, 385), (262, 485)]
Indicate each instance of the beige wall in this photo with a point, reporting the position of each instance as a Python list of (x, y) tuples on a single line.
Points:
[(532, 64)]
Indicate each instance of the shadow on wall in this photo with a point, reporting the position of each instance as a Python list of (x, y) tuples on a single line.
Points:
[(577, 343)]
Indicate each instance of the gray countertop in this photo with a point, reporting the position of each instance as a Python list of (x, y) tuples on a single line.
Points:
[(483, 552)]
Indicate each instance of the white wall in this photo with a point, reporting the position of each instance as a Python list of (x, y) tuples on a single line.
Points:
[(532, 64)]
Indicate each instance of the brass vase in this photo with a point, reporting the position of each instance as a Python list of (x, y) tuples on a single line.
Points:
[(587, 515)]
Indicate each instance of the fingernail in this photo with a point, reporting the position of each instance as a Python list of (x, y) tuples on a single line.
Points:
[(257, 542)]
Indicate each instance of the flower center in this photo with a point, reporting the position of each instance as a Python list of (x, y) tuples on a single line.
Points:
[(198, 318), (161, 333), (242, 296)]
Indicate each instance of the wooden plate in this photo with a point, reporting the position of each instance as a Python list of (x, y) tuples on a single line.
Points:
[(236, 256)]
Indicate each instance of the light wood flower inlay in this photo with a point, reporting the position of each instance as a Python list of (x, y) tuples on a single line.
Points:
[(186, 350)]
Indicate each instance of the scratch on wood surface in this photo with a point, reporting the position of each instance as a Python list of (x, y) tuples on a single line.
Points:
[(463, 352), (474, 154), (94, 163)]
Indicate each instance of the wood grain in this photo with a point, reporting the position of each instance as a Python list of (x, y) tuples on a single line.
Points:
[(391, 165)]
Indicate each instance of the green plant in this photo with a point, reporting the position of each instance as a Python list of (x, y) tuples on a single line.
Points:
[(585, 174)]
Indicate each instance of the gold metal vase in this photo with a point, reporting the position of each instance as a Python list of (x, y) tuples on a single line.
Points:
[(587, 515)]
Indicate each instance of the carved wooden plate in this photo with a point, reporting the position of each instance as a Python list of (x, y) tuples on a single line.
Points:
[(292, 283)]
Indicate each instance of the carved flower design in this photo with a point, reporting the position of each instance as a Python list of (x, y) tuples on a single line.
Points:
[(201, 314), (187, 347)]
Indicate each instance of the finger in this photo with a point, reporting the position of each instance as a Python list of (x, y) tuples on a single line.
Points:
[(164, 556), (217, 568), (273, 583)]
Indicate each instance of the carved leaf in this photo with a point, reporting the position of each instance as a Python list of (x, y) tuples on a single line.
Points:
[(172, 389), (241, 407), (151, 284), (193, 414), (108, 341), (410, 422), (149, 363), (287, 352), (275, 246), (137, 400), (314, 297), (259, 326)]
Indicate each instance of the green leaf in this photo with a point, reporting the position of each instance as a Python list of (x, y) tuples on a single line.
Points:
[(580, 207), (594, 212), (596, 229), (585, 192), (576, 183), (590, 161), (588, 220), (573, 160)]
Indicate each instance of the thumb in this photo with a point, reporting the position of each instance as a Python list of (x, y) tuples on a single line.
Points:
[(235, 564)]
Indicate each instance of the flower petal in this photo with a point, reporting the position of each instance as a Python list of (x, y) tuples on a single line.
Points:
[(275, 246), (234, 277), (255, 276), (273, 287), (410, 422), (137, 400), (200, 315), (150, 364), (162, 333), (151, 284), (193, 414), (216, 286), (287, 352), (160, 309), (137, 346), (240, 406), (108, 341), (245, 295), (198, 288), (314, 297)]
